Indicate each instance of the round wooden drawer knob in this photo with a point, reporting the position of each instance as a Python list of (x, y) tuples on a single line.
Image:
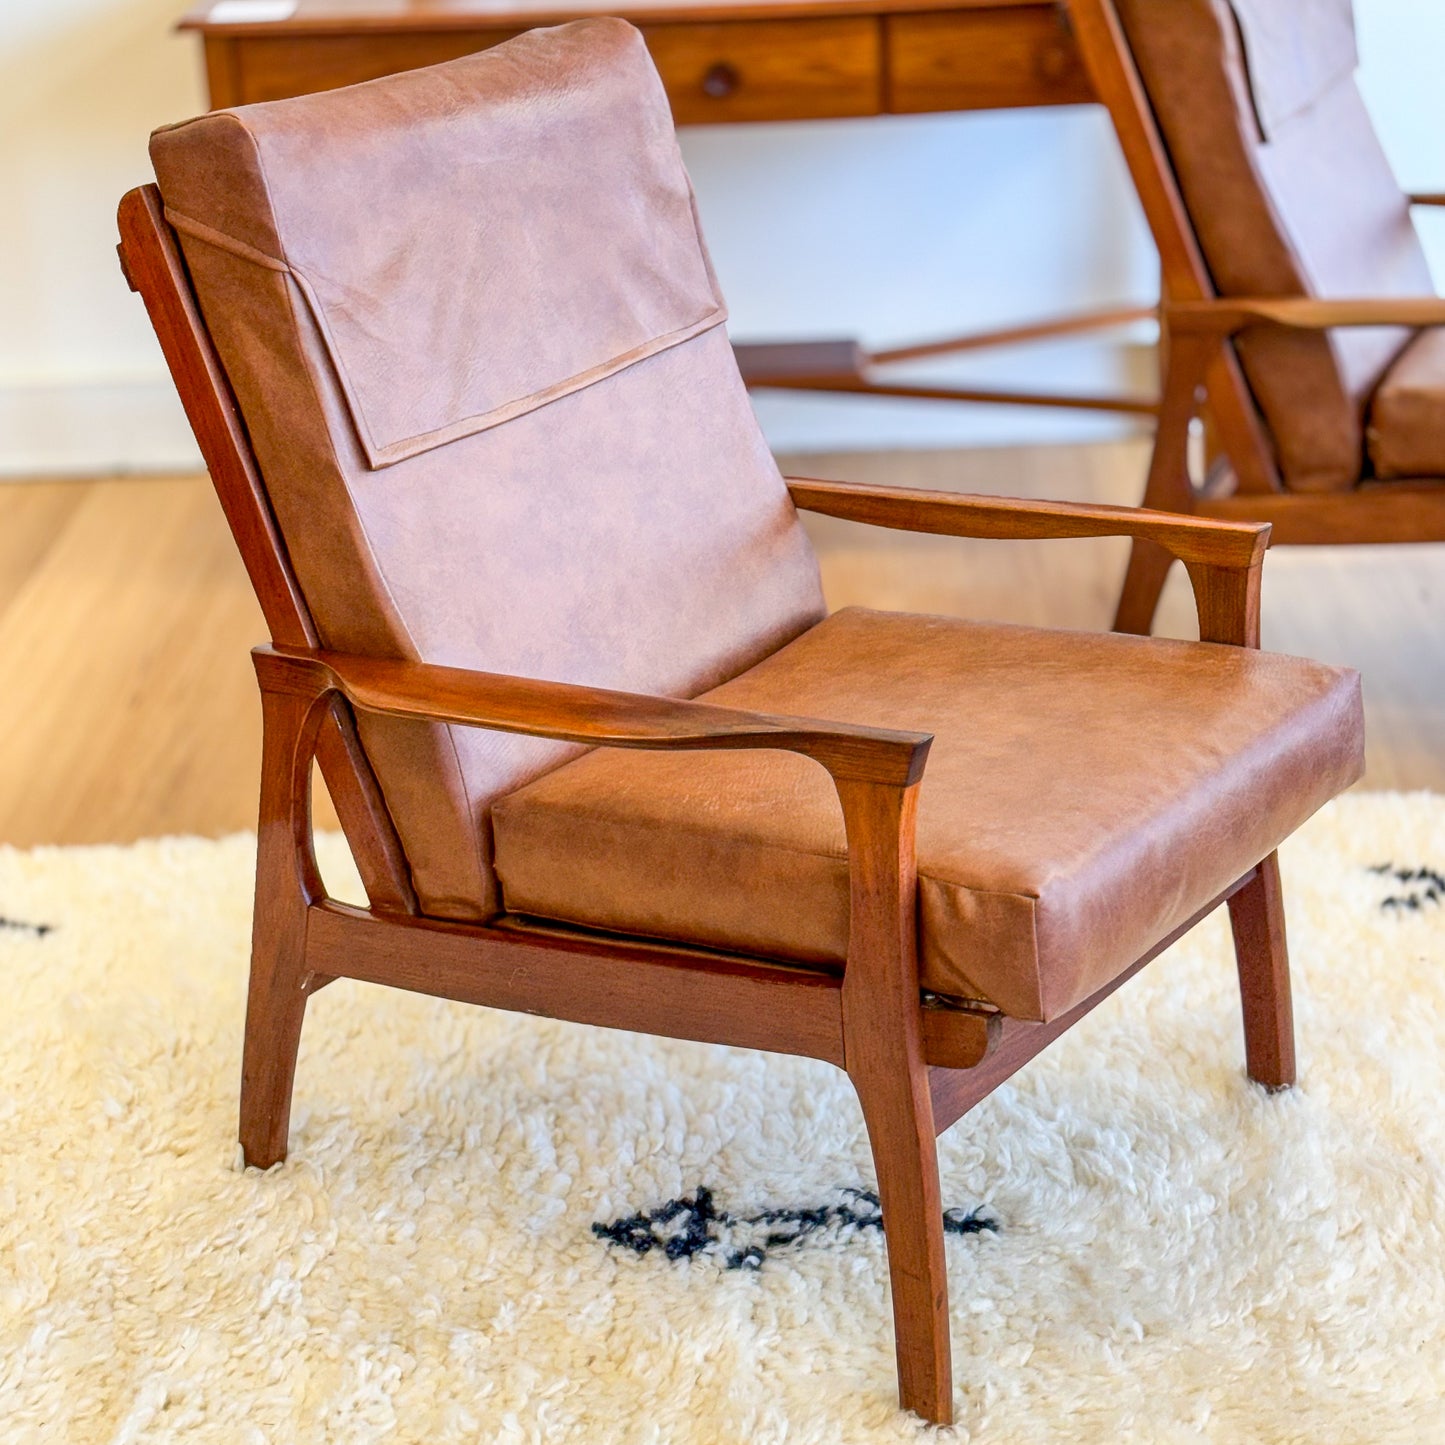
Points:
[(1055, 62), (721, 81)]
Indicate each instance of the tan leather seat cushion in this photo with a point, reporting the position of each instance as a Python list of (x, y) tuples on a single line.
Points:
[(1084, 796), (1407, 416)]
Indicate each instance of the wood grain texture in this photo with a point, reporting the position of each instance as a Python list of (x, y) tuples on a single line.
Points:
[(223, 79), (1225, 568), (1302, 313), (960, 515), (567, 712), (1001, 336), (277, 67), (1169, 486), (776, 69), (383, 16), (883, 1053), (1185, 277), (288, 885), (1115, 80), (872, 385), (1383, 512), (983, 59), (719, 62), (152, 265), (606, 981), (714, 73), (1256, 917)]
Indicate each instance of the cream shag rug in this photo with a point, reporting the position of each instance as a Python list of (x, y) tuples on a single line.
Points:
[(1175, 1255)]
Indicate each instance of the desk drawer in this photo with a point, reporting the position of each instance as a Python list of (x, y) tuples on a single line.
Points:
[(769, 69), (727, 71), (984, 59), (276, 67)]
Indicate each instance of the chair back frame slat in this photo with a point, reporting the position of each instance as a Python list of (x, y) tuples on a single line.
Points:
[(154, 266)]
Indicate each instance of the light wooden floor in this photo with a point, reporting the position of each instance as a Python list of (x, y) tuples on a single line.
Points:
[(128, 706)]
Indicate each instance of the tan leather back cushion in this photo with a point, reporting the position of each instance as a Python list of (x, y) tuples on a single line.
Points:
[(1290, 194), (478, 345)]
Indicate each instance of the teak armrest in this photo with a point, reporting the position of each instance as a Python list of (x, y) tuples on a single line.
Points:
[(1224, 559), (595, 716), (1427, 198), (1226, 316), (958, 514)]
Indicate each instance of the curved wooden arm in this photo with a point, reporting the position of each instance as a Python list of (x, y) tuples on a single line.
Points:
[(956, 514), (1224, 559), (1302, 313), (594, 716)]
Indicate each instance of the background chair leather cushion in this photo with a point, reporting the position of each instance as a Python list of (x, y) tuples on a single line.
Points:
[(1407, 415), (1295, 53), (1311, 209), (1084, 796), (470, 322)]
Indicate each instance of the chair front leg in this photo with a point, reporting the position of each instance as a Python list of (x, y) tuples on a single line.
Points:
[(287, 883), (1256, 916), (883, 1053)]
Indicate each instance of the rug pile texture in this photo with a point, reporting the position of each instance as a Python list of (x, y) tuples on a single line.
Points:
[(497, 1228)]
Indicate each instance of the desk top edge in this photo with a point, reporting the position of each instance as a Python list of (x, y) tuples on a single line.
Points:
[(349, 17)]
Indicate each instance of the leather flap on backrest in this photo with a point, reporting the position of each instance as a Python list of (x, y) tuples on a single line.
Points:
[(1294, 53), (430, 218)]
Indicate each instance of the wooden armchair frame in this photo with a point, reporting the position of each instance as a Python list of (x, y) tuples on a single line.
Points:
[(918, 1062), (1202, 372)]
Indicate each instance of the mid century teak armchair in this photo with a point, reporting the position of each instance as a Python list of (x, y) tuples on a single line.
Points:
[(454, 355), (1298, 311)]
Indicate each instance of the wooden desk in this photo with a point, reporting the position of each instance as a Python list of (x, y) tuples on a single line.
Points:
[(722, 61)]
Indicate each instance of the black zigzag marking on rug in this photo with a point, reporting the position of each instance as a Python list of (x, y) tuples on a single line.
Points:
[(14, 925), (684, 1227), (1422, 885)]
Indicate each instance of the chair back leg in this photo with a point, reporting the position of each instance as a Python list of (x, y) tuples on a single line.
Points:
[(1256, 915), (287, 882), (1144, 580), (1168, 488)]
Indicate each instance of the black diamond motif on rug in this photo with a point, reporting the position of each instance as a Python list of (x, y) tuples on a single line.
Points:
[(685, 1227), (1418, 887)]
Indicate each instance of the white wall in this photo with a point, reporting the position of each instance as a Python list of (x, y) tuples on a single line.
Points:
[(886, 229), (908, 227), (1402, 46), (82, 82)]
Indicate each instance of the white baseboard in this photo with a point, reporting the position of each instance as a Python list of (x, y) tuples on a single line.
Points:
[(79, 429)]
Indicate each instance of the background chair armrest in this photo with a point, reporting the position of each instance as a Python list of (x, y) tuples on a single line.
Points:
[(589, 715), (957, 514), (1224, 559), (1427, 198), (1304, 313)]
